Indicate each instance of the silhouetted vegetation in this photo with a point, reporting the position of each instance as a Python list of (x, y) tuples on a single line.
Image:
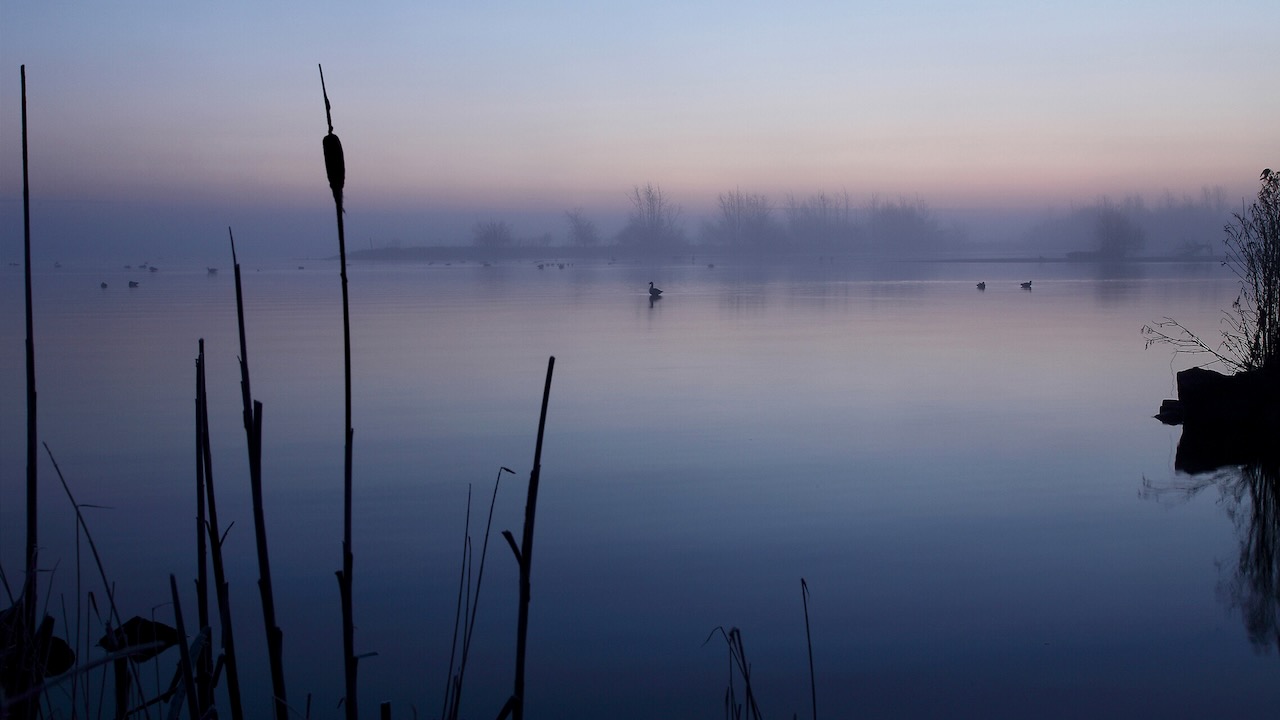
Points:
[(821, 221), (582, 232), (1111, 230), (653, 223), (492, 234), (1250, 494), (1251, 340), (336, 169), (745, 221), (1117, 235)]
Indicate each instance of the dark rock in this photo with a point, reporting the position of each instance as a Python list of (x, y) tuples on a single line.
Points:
[(1226, 419), (1171, 412)]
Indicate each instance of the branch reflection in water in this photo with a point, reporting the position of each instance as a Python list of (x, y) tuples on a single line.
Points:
[(1250, 494)]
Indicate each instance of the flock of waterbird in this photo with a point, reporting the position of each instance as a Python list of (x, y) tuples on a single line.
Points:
[(655, 293), (1025, 286)]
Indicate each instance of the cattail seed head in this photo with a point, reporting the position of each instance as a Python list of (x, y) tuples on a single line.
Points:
[(335, 165)]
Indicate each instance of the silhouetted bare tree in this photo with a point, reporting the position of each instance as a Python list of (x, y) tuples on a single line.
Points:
[(582, 232), (1116, 233), (654, 222), (822, 220), (492, 234), (903, 227), (745, 221)]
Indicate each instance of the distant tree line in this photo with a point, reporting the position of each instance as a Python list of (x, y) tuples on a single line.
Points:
[(1110, 229), (753, 223), (747, 222)]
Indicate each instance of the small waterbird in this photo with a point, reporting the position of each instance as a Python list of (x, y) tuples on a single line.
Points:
[(653, 291), (1026, 285), (982, 285)]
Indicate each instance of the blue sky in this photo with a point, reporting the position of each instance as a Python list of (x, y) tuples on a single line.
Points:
[(456, 111)]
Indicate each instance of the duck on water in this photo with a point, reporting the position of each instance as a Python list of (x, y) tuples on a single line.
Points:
[(654, 292)]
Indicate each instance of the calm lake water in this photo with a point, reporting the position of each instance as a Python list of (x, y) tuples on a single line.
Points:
[(971, 483)]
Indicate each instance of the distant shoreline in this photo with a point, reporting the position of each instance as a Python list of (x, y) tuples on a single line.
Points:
[(463, 253)]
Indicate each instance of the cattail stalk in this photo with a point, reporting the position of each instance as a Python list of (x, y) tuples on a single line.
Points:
[(336, 169)]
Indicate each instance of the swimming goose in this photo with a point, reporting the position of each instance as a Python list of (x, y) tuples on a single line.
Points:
[(653, 291), (982, 285), (1027, 285)]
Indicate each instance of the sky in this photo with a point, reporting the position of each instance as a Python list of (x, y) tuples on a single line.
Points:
[(155, 125)]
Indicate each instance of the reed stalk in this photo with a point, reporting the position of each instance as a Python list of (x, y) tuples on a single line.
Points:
[(253, 436), (464, 620), (25, 649), (188, 676), (336, 169), (215, 544), (737, 663), (469, 631), (808, 636), (204, 659), (459, 616), (524, 557)]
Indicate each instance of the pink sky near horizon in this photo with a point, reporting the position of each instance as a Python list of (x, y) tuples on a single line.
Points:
[(569, 104)]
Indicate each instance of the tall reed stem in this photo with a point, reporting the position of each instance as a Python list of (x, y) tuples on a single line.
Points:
[(808, 636), (204, 661), (525, 554), (26, 648), (188, 679), (215, 545), (335, 167), (253, 435)]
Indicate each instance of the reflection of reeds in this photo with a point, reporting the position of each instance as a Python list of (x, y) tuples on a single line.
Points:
[(1254, 586), (1255, 589), (253, 436), (336, 168)]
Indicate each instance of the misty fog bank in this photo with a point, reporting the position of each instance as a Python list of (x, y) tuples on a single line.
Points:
[(743, 224)]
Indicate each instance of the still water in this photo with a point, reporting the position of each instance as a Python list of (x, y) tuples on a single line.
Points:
[(970, 482)]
